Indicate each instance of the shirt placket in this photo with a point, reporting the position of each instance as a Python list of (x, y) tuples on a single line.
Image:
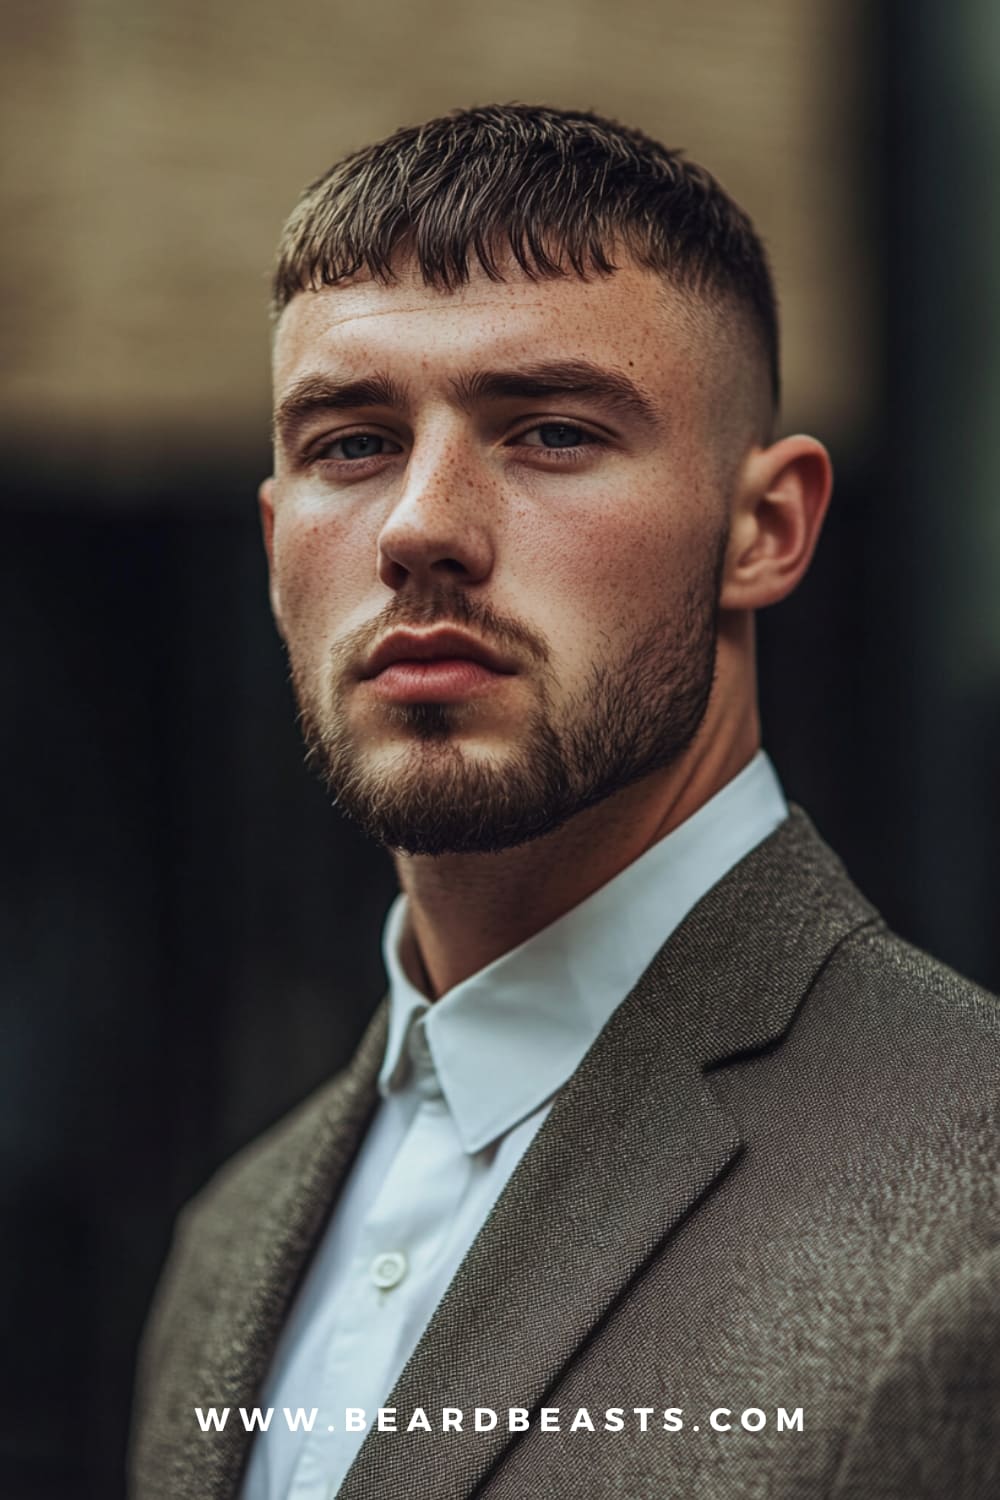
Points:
[(381, 1310)]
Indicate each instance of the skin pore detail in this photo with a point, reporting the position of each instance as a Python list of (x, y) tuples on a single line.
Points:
[(569, 474)]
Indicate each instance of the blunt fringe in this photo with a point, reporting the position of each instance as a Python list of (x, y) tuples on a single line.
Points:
[(559, 190)]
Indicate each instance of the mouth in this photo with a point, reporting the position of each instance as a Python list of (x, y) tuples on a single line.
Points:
[(434, 666)]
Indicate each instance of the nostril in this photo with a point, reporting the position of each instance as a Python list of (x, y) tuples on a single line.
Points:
[(390, 572), (464, 551)]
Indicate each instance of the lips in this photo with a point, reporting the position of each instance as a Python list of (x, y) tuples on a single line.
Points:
[(440, 645)]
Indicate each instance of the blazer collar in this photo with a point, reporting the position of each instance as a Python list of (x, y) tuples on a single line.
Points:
[(633, 1142)]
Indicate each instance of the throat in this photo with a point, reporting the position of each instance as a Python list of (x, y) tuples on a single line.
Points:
[(467, 910)]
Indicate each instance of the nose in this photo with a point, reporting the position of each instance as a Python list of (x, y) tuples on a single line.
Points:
[(439, 530)]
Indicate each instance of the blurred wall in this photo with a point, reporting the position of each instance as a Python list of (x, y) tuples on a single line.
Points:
[(159, 148), (189, 936)]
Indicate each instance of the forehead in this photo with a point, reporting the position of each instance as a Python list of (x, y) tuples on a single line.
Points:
[(630, 320)]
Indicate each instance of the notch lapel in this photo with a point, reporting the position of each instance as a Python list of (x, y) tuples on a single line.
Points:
[(633, 1142), (213, 1347)]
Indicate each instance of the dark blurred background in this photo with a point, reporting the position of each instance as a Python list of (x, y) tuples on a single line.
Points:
[(190, 936)]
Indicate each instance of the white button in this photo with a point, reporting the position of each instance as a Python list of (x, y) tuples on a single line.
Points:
[(388, 1269)]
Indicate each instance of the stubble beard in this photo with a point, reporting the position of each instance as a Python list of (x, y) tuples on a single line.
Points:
[(634, 716)]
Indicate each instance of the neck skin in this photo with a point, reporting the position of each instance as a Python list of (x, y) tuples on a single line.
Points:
[(465, 910)]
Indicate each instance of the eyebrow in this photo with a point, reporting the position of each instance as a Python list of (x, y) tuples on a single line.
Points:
[(576, 377), (316, 394)]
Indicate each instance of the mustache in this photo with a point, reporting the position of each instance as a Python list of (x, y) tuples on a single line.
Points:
[(443, 606)]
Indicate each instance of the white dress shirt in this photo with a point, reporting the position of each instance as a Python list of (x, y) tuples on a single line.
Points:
[(465, 1084)]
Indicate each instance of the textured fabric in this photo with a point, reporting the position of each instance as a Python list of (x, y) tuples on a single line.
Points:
[(467, 1083), (772, 1181)]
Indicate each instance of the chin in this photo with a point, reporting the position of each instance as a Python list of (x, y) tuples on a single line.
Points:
[(438, 796)]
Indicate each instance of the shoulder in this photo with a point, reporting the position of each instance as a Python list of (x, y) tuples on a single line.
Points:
[(888, 987), (882, 984), (262, 1204), (245, 1183), (211, 1233), (904, 1049), (896, 1064), (321, 1128)]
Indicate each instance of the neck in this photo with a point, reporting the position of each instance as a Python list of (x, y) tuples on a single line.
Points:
[(466, 910)]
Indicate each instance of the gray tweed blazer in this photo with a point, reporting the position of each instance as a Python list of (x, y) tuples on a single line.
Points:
[(771, 1183)]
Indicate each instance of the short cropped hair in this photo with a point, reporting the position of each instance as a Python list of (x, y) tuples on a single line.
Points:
[(554, 188)]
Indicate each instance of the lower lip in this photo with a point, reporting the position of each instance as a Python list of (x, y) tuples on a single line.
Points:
[(439, 681)]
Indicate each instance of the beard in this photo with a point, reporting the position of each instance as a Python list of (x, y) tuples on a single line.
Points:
[(635, 715)]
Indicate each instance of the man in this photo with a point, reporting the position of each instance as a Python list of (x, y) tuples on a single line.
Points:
[(665, 1169)]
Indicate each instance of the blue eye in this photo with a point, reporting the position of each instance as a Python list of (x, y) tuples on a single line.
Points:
[(561, 435), (362, 445)]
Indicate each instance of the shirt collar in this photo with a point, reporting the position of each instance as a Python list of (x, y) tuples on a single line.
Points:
[(505, 1040)]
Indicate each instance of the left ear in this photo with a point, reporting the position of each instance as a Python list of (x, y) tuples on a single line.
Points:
[(782, 497)]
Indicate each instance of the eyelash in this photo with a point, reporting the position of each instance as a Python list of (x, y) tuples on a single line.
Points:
[(571, 454), (555, 456)]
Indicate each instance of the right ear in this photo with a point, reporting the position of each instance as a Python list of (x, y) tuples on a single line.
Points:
[(265, 497)]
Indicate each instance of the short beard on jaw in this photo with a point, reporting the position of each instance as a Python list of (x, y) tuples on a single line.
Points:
[(633, 717)]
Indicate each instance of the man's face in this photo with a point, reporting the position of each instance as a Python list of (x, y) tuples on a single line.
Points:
[(498, 526)]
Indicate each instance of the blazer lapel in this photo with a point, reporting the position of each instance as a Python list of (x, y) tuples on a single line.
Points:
[(258, 1283), (634, 1140)]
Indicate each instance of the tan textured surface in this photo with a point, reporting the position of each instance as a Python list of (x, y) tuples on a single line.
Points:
[(153, 152)]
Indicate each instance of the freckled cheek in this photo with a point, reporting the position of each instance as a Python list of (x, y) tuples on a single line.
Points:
[(322, 568), (598, 576)]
